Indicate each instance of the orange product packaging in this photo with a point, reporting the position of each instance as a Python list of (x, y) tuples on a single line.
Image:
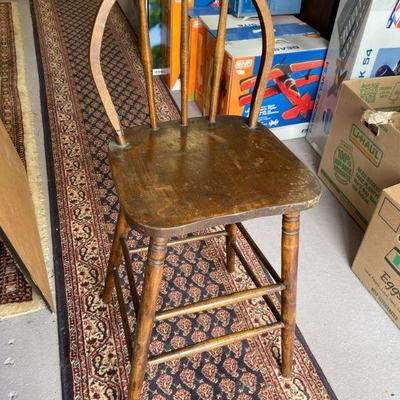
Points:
[(172, 39), (290, 94)]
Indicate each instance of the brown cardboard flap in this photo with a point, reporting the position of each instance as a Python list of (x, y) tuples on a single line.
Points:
[(389, 213), (377, 93), (18, 226)]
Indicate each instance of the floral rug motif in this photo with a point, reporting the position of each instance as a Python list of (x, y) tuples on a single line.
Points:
[(95, 362), (13, 286)]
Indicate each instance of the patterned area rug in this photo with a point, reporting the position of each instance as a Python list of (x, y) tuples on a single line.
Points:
[(95, 362), (13, 286)]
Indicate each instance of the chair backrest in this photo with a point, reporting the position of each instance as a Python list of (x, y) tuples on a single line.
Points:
[(145, 50)]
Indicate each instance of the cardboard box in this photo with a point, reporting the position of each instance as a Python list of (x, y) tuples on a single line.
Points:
[(377, 263), (360, 161), (210, 23), (172, 35), (298, 60), (241, 8), (197, 38), (171, 14), (365, 43)]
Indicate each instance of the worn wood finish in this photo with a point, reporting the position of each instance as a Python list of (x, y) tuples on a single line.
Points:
[(95, 65), (131, 278), (268, 38), (195, 174), (290, 249), (147, 310), (230, 251), (122, 311), (147, 62), (218, 61), (189, 239), (225, 173), (184, 62), (115, 256), (214, 343), (220, 301)]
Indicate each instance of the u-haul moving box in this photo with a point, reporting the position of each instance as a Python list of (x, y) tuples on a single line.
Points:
[(365, 43), (289, 98), (377, 263), (361, 159)]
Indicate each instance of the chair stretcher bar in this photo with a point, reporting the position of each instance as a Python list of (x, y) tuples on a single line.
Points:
[(122, 311), (131, 277), (263, 260), (186, 240), (214, 343), (220, 301)]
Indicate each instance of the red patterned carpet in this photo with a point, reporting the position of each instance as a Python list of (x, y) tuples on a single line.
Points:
[(13, 286), (94, 356)]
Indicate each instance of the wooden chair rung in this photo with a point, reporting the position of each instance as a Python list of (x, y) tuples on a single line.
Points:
[(131, 277), (122, 311), (257, 282), (186, 240), (214, 343), (220, 301), (263, 260)]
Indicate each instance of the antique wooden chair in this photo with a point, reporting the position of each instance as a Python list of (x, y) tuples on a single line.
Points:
[(184, 176)]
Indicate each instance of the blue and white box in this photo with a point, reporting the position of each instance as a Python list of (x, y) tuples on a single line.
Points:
[(365, 43), (241, 8), (297, 65), (250, 28)]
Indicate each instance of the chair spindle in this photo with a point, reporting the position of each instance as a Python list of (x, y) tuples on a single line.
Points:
[(184, 62), (147, 62), (268, 40), (95, 65), (218, 60)]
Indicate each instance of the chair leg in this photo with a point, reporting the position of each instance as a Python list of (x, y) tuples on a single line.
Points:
[(147, 310), (115, 256), (230, 252), (290, 249)]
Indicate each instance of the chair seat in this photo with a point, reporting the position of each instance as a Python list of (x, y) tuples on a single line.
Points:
[(178, 179)]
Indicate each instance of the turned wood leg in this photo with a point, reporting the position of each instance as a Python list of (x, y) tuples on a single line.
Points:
[(115, 256), (290, 250), (147, 310), (230, 252)]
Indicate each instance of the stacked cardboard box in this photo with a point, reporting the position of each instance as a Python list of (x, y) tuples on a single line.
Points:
[(171, 36), (365, 43), (171, 39), (241, 8), (361, 158), (297, 66), (377, 263)]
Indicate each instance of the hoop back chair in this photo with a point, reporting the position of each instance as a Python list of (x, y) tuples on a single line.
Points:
[(180, 177)]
